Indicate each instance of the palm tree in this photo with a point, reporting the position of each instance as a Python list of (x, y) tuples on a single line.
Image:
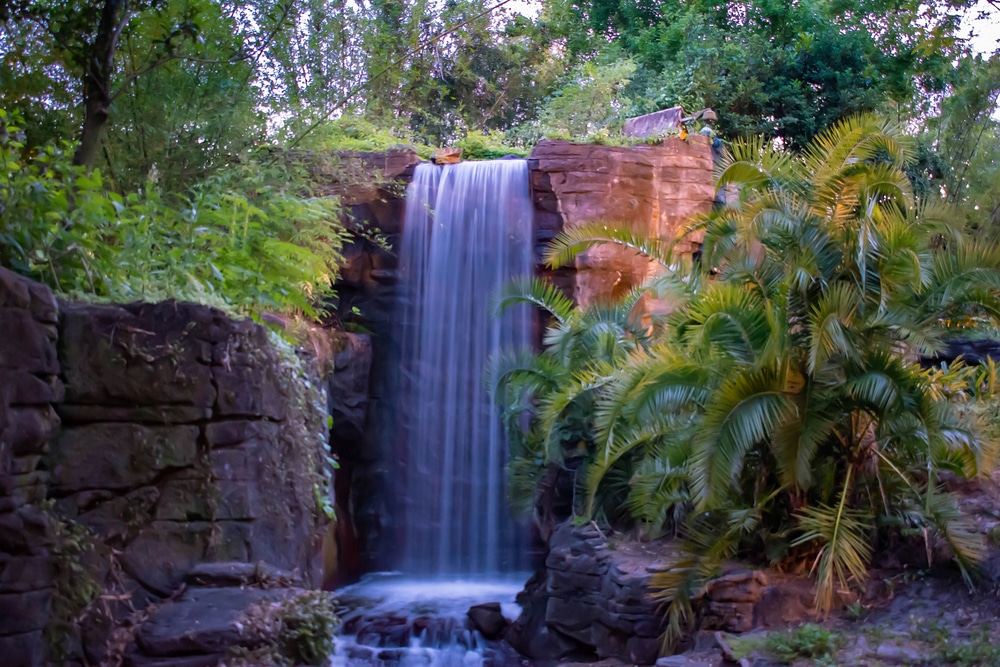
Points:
[(779, 410)]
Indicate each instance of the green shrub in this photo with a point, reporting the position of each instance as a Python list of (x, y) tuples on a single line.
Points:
[(780, 378), (806, 641), (297, 630), (478, 146), (355, 133), (246, 239)]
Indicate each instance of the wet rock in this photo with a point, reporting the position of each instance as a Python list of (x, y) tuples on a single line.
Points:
[(687, 660), (204, 620), (348, 387), (488, 619), (210, 660)]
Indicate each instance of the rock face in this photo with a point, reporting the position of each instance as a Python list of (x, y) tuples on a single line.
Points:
[(29, 385), (592, 600), (358, 508), (167, 435), (653, 190)]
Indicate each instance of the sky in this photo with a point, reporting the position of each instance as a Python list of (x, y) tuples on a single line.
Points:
[(983, 23)]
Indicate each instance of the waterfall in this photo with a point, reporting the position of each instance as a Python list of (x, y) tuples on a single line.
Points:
[(467, 232)]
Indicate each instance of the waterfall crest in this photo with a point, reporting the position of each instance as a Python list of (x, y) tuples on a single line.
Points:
[(467, 232)]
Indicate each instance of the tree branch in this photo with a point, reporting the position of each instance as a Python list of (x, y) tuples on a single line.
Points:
[(395, 63)]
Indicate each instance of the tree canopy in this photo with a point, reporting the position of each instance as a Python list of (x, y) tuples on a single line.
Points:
[(166, 95)]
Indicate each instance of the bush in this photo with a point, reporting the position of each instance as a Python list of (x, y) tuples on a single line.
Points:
[(806, 641), (246, 239), (478, 146)]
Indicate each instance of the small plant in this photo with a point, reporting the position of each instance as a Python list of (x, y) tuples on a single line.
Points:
[(855, 611), (980, 651), (75, 585), (806, 641), (479, 146), (297, 630)]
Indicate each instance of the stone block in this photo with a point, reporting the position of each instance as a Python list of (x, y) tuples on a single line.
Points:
[(569, 616), (116, 516), (193, 499), (119, 455), (26, 649), (136, 355), (144, 414), (238, 432), (728, 616), (14, 292), (24, 531), (204, 620), (642, 650), (28, 429), (25, 612), (163, 553), (20, 574), (24, 388), (248, 392), (26, 344)]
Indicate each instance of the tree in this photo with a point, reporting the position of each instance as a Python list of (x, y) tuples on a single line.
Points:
[(755, 418), (784, 70), (81, 42)]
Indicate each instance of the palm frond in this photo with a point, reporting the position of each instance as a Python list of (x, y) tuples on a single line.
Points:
[(739, 415), (844, 545), (537, 292), (572, 241)]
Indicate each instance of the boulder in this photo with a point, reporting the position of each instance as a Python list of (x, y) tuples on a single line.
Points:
[(488, 619), (652, 124), (203, 621)]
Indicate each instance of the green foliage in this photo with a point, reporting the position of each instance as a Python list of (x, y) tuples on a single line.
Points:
[(297, 630), (76, 586), (757, 416), (357, 133), (234, 240), (805, 641), (304, 461), (588, 101), (478, 146), (773, 68)]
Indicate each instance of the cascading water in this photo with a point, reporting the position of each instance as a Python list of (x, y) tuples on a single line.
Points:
[(467, 232)]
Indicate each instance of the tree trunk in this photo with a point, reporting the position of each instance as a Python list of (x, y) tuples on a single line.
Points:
[(97, 71)]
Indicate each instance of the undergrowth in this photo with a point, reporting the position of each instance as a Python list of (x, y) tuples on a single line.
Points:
[(297, 630)]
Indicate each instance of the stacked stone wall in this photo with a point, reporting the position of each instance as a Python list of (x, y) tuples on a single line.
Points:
[(159, 438), (29, 385)]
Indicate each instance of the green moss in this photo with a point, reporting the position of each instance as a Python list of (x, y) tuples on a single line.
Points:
[(76, 586)]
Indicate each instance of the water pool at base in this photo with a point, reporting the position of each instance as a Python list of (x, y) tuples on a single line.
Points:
[(391, 620)]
